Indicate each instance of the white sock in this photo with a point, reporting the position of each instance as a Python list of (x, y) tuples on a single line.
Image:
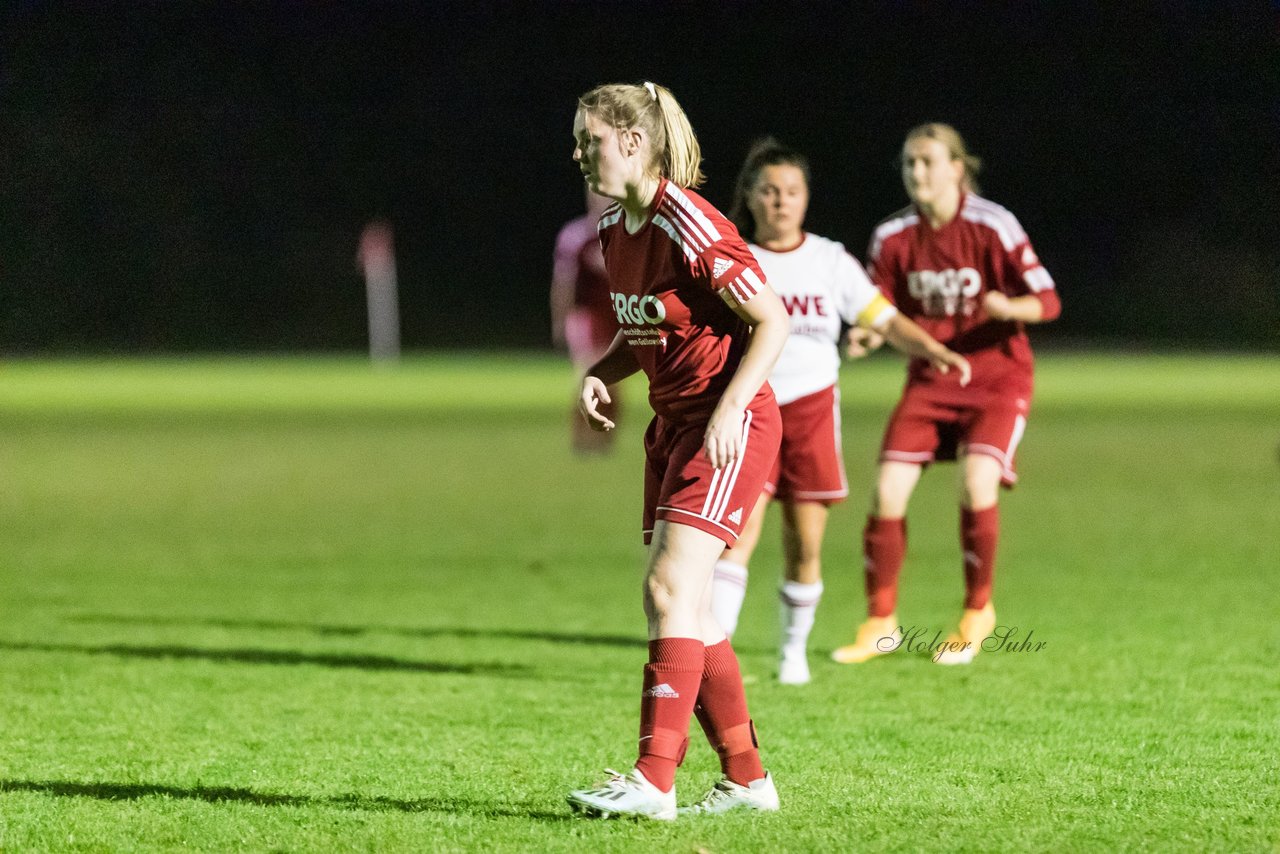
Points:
[(799, 604), (728, 589)]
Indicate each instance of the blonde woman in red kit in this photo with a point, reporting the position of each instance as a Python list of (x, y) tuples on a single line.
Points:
[(695, 314)]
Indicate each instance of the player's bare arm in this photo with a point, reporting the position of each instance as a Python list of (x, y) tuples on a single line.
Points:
[(770, 326), (614, 366), (906, 335), (1027, 308)]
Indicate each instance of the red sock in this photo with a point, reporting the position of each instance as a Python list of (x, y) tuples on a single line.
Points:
[(671, 681), (884, 545), (722, 711), (979, 531)]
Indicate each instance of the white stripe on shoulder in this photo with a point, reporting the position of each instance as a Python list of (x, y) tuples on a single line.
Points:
[(663, 223), (693, 211), (1038, 279), (690, 232), (899, 222), (611, 215), (997, 218)]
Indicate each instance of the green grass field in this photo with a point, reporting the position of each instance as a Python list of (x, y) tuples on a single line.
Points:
[(302, 605)]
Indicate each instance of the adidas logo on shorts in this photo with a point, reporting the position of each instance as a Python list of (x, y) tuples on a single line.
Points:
[(663, 690), (719, 267), (736, 516)]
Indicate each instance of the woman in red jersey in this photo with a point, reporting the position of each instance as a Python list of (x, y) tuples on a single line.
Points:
[(695, 314), (962, 268)]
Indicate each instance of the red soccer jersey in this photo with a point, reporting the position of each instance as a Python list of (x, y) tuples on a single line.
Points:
[(672, 283), (939, 278)]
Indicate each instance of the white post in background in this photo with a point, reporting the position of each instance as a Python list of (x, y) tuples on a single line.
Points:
[(377, 257)]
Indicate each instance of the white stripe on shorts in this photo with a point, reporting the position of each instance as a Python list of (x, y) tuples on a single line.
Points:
[(726, 485), (697, 516)]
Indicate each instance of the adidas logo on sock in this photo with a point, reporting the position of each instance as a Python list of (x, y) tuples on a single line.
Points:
[(736, 516), (718, 268), (663, 690)]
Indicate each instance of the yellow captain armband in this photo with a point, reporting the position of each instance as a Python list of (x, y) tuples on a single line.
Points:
[(877, 313)]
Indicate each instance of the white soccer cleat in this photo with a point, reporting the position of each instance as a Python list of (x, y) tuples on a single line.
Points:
[(629, 794), (793, 670), (954, 651), (727, 796)]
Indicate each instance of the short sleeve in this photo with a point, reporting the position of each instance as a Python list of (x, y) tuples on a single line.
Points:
[(1024, 274), (860, 302), (714, 251), (730, 268)]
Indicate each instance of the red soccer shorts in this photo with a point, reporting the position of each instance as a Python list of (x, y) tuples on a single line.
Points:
[(681, 486), (810, 464), (937, 423)]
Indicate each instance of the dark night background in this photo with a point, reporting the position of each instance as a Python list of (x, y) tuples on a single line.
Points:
[(194, 176)]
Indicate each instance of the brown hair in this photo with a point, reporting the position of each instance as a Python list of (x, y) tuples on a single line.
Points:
[(675, 152), (765, 151), (951, 138)]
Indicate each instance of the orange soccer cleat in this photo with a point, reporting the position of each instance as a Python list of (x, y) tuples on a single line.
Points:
[(877, 636), (976, 625)]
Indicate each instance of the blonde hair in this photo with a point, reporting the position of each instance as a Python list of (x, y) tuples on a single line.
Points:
[(951, 138), (674, 150)]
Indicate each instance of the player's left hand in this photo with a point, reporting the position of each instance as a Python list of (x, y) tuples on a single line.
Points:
[(859, 342), (723, 440), (997, 305)]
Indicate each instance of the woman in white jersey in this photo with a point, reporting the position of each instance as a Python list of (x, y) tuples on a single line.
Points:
[(822, 287)]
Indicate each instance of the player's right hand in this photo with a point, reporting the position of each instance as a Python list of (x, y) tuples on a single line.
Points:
[(947, 359), (594, 392)]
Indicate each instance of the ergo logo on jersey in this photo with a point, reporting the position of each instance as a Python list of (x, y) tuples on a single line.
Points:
[(639, 310), (941, 290)]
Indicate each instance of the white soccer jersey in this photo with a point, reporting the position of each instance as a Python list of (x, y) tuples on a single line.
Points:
[(821, 285)]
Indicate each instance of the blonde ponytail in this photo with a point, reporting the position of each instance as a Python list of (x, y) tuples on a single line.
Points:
[(682, 156), (674, 150)]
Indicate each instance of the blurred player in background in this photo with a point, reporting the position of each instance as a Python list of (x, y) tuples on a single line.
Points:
[(962, 268), (695, 314), (822, 287), (582, 318)]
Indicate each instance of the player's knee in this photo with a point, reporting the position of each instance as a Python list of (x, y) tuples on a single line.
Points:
[(658, 594), (980, 487), (979, 496), (665, 596), (889, 499)]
